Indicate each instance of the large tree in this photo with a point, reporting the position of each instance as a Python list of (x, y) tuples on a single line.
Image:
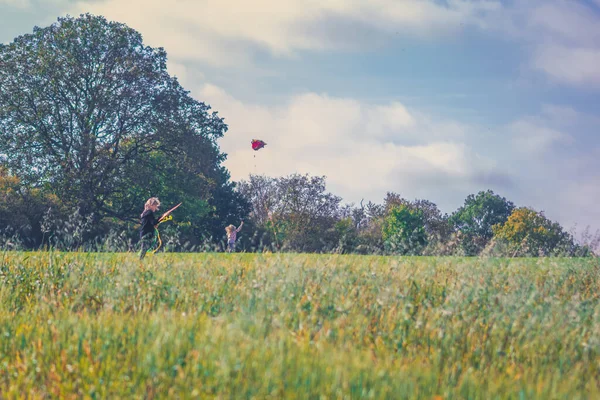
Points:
[(297, 210), (90, 113), (475, 219), (529, 233)]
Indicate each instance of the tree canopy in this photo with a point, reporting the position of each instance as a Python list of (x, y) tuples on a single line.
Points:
[(89, 111), (475, 219), (529, 233)]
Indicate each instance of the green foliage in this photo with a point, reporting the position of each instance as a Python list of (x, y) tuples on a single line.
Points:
[(404, 231), (297, 326), (475, 219), (436, 224)]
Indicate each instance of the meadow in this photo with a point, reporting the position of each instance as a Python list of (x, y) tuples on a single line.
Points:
[(296, 326)]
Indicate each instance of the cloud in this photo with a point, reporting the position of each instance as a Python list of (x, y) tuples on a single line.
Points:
[(23, 4), (566, 39), (364, 149), (35, 4), (554, 159), (533, 136), (183, 73), (561, 37), (576, 66), (566, 21), (229, 33), (580, 202), (564, 35)]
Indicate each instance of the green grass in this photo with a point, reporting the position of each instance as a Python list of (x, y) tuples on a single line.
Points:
[(297, 326)]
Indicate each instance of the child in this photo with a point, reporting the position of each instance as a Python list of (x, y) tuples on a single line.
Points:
[(149, 222), (232, 236)]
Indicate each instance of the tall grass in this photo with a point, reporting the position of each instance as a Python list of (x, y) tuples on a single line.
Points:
[(297, 326)]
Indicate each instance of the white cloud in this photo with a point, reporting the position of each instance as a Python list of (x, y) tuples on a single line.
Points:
[(185, 76), (532, 136), (577, 66), (566, 38), (554, 128), (565, 21), (384, 119), (574, 203), (564, 35), (179, 70), (224, 33), (364, 149)]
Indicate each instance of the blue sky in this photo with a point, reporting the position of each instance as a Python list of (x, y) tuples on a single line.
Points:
[(429, 99)]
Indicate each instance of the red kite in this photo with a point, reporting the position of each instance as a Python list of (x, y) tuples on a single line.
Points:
[(257, 144)]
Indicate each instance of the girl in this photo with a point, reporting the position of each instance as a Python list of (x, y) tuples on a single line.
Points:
[(232, 236), (149, 222)]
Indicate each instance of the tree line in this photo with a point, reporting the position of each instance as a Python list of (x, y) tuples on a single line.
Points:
[(296, 213)]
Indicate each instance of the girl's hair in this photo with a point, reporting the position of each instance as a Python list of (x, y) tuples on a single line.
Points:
[(151, 202), (230, 228)]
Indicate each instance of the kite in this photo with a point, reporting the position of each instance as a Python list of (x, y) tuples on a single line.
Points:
[(257, 144)]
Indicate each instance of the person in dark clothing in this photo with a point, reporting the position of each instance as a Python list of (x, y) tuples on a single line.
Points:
[(149, 222)]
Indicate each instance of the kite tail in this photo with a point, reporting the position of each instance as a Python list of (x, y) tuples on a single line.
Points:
[(157, 238)]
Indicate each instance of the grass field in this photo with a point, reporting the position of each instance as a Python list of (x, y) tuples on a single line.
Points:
[(297, 326)]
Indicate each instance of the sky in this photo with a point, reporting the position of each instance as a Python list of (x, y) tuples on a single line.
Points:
[(426, 98)]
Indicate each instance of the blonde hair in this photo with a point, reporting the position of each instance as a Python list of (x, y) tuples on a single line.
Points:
[(230, 228), (152, 201)]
